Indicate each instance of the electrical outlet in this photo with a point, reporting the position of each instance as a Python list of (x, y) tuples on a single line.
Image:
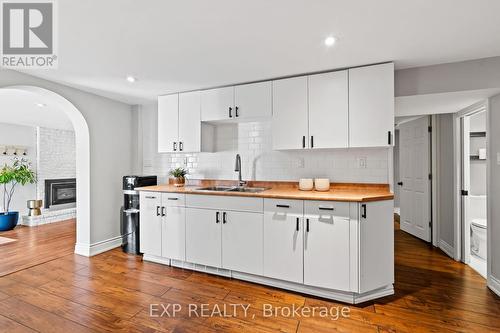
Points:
[(498, 158), (362, 163), (300, 163), (185, 161)]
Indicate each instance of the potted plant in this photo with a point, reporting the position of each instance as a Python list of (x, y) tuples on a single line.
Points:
[(19, 172), (179, 175)]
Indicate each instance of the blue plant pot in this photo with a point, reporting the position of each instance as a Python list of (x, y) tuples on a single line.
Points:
[(8, 221)]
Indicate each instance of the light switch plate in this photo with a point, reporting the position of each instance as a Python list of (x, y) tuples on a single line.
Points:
[(498, 158), (362, 163)]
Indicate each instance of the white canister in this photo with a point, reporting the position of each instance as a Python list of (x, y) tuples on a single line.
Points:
[(322, 184), (306, 184)]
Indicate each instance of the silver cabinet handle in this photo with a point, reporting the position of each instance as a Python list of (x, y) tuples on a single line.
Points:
[(326, 208), (157, 210), (175, 146), (181, 146), (173, 199)]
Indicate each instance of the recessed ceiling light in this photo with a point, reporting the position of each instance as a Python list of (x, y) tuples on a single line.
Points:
[(41, 105), (330, 40), (131, 79)]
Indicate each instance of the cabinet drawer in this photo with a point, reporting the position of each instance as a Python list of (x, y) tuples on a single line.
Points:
[(333, 208), (284, 206), (173, 199), (225, 202)]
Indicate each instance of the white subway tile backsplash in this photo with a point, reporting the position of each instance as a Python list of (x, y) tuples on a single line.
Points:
[(253, 142)]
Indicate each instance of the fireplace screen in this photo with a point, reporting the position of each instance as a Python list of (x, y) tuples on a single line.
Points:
[(60, 192)]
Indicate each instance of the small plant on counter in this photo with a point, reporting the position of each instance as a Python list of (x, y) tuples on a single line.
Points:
[(179, 175)]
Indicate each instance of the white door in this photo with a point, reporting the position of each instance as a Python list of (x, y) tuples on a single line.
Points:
[(289, 124), (168, 120), (203, 236), (190, 122), (371, 106), (283, 240), (253, 100), (329, 110), (217, 104), (174, 233), (326, 238), (242, 242), (414, 182), (150, 223)]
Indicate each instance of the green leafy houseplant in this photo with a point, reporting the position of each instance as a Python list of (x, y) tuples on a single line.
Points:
[(19, 173), (179, 175)]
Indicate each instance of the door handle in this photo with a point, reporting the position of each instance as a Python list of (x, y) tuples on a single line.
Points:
[(363, 211), (217, 217), (303, 141), (175, 146), (181, 146), (236, 111), (224, 218), (230, 112), (297, 226), (307, 225), (157, 210), (163, 211), (465, 192), (312, 141), (400, 183)]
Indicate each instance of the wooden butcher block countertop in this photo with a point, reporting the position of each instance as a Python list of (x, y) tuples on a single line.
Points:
[(285, 190)]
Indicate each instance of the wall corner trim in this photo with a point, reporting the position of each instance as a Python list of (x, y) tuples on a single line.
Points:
[(494, 284), (89, 250)]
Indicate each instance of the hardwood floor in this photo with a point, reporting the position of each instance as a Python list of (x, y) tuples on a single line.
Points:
[(113, 292), (36, 245)]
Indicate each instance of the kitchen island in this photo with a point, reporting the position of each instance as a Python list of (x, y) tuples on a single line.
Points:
[(337, 244)]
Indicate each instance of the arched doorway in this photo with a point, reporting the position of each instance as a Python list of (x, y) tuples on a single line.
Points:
[(82, 158)]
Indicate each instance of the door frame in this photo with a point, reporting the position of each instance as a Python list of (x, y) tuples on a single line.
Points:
[(457, 177)]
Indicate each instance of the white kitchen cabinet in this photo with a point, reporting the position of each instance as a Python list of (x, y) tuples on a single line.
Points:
[(189, 122), (283, 239), (371, 106), (290, 118), (329, 110), (253, 101), (217, 104), (150, 238), (168, 123), (203, 237), (173, 227), (326, 245), (179, 124), (242, 241), (376, 245)]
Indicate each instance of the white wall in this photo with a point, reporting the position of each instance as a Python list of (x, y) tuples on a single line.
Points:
[(56, 156), (110, 125), (17, 135), (259, 162), (445, 179), (494, 190)]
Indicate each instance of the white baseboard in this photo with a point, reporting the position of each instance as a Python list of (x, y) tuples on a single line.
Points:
[(89, 250), (494, 284), (447, 248)]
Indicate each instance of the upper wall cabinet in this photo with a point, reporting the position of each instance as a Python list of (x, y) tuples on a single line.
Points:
[(253, 100), (179, 124), (217, 104), (371, 106), (245, 102), (329, 110), (289, 125)]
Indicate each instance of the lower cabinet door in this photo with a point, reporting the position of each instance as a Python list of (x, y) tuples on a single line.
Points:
[(283, 246), (174, 233), (242, 241), (203, 236), (150, 223), (326, 251)]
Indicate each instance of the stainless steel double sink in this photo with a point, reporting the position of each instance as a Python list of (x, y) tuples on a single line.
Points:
[(232, 189)]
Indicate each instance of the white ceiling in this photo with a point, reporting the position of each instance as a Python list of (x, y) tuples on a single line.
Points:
[(172, 45), (20, 108), (440, 103)]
